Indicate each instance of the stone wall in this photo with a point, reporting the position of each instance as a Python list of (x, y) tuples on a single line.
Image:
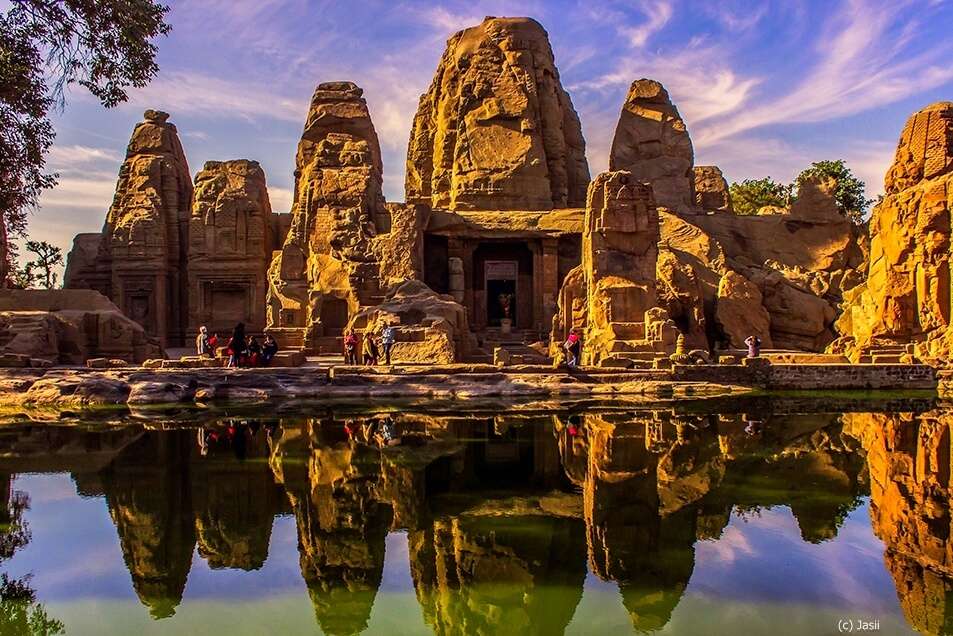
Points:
[(69, 327), (813, 377)]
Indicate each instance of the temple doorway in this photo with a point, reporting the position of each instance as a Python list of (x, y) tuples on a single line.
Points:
[(334, 315), (503, 285), (500, 282)]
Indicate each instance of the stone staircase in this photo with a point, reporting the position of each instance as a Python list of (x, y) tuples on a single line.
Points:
[(888, 354), (516, 344), (631, 350)]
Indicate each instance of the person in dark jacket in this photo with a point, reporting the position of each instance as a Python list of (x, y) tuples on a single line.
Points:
[(237, 347), (268, 350)]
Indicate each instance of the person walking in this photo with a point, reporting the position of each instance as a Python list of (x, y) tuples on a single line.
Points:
[(371, 353), (754, 346), (237, 345), (388, 337), (268, 350), (201, 342), (350, 348)]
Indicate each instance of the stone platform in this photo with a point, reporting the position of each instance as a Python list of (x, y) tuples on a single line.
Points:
[(77, 388)]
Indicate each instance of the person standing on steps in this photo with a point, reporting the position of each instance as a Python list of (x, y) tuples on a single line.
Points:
[(754, 346), (201, 342), (350, 348), (371, 353), (573, 347), (388, 337), (237, 345)]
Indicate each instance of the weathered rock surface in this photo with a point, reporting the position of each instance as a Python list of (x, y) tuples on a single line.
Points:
[(328, 268), (740, 311), (616, 282), (142, 249), (711, 189), (232, 232), (906, 295), (69, 327), (496, 130), (429, 328), (651, 141), (800, 259)]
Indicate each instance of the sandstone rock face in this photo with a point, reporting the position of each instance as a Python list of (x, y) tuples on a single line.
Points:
[(906, 296), (801, 260), (740, 311), (710, 189), (231, 237), (142, 251), (652, 142), (69, 327), (496, 130), (618, 273), (430, 328), (328, 268)]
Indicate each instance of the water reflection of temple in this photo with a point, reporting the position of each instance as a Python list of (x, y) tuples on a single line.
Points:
[(909, 462), (505, 514)]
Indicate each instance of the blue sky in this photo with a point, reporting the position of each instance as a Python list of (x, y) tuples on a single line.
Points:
[(764, 87)]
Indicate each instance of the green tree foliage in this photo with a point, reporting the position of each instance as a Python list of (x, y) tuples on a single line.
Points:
[(42, 269), (751, 195), (849, 193), (45, 45), (20, 613)]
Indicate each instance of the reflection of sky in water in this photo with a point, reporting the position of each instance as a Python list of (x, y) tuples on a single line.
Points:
[(760, 575)]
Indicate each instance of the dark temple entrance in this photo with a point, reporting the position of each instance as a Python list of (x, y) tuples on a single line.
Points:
[(496, 292), (503, 272)]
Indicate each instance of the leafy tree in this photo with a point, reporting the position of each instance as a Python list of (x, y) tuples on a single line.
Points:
[(20, 613), (42, 269), (849, 192), (45, 45), (751, 195)]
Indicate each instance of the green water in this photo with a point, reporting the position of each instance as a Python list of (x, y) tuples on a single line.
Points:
[(763, 516)]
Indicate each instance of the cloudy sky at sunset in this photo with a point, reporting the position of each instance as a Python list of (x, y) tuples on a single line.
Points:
[(765, 88)]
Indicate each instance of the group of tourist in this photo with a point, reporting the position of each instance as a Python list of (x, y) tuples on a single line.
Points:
[(241, 350), (370, 349)]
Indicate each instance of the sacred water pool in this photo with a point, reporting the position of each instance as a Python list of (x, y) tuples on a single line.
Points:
[(758, 515)]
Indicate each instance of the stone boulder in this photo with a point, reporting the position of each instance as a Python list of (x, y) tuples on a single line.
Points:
[(69, 327), (906, 296), (651, 141), (430, 328), (710, 189), (496, 130), (740, 312)]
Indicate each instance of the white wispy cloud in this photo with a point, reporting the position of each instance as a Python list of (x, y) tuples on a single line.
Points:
[(195, 93), (860, 65), (657, 13), (280, 198), (71, 156)]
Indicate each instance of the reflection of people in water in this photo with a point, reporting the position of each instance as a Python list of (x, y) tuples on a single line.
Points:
[(754, 427)]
